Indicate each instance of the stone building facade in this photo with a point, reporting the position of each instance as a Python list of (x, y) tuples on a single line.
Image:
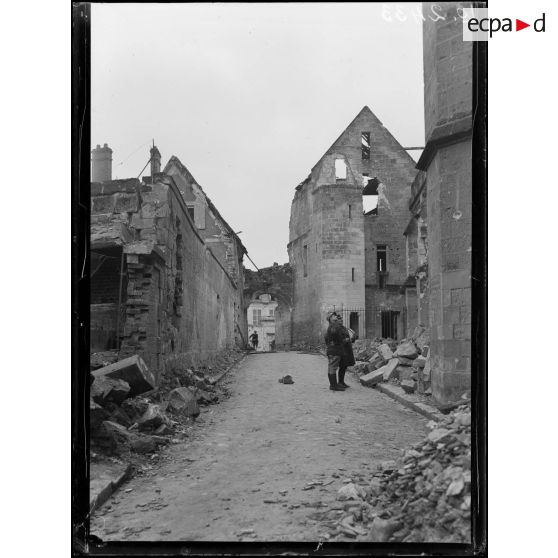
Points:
[(346, 243), (261, 320), (160, 287), (441, 196)]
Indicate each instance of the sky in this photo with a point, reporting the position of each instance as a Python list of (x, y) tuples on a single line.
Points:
[(250, 96)]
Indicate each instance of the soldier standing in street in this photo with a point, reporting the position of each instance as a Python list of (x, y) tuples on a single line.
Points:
[(336, 337)]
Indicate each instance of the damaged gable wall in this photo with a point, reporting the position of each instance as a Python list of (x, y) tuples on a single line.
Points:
[(332, 245)]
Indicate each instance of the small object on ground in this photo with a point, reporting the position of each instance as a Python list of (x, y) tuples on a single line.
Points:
[(288, 379), (348, 492)]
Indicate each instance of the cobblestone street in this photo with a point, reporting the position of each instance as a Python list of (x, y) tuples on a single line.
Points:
[(243, 473)]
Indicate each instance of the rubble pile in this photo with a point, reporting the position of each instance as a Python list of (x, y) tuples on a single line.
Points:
[(423, 496), (405, 363), (129, 414)]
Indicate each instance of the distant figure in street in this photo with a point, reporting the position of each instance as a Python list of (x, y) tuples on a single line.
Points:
[(254, 340)]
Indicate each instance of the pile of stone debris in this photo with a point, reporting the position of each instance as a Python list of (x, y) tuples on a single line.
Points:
[(127, 413), (424, 496), (406, 363)]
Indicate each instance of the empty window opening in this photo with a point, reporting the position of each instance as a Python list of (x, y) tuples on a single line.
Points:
[(381, 257), (191, 211), (352, 274), (370, 195), (305, 260), (389, 324), (353, 321), (365, 144), (350, 211), (340, 169)]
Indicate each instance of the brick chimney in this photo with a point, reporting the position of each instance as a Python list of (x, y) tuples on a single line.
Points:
[(101, 163), (155, 160)]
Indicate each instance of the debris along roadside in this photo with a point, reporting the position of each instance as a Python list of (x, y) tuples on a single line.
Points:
[(423, 496), (405, 365), (131, 420)]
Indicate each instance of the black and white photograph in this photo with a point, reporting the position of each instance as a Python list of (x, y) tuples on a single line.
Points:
[(284, 278)]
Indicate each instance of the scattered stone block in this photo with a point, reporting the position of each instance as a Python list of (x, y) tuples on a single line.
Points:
[(98, 360), (438, 435), (97, 415), (404, 372), (361, 368), (348, 492), (408, 386), (143, 444), (426, 371), (383, 529), (114, 437), (152, 418), (118, 415), (406, 349), (405, 361), (135, 407), (288, 379), (106, 390), (375, 486), (205, 397), (419, 362), (389, 370), (183, 401), (385, 351), (132, 370), (372, 378), (164, 430), (375, 361)]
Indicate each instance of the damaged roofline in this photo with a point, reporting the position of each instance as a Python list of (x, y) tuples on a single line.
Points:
[(175, 160), (169, 181)]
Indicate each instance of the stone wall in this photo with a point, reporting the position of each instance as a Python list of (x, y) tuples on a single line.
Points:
[(447, 163), (180, 298)]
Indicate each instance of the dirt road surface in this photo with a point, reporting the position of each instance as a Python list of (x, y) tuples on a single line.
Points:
[(245, 472)]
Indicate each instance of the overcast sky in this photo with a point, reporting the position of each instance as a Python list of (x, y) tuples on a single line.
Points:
[(249, 96)]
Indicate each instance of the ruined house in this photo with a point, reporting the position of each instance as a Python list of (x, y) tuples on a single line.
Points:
[(439, 234), (346, 243), (166, 268)]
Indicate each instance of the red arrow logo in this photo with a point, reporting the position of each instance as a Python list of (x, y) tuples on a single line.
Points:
[(519, 25)]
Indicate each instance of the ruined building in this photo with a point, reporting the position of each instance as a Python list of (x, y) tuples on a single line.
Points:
[(439, 232), (346, 244), (166, 268)]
